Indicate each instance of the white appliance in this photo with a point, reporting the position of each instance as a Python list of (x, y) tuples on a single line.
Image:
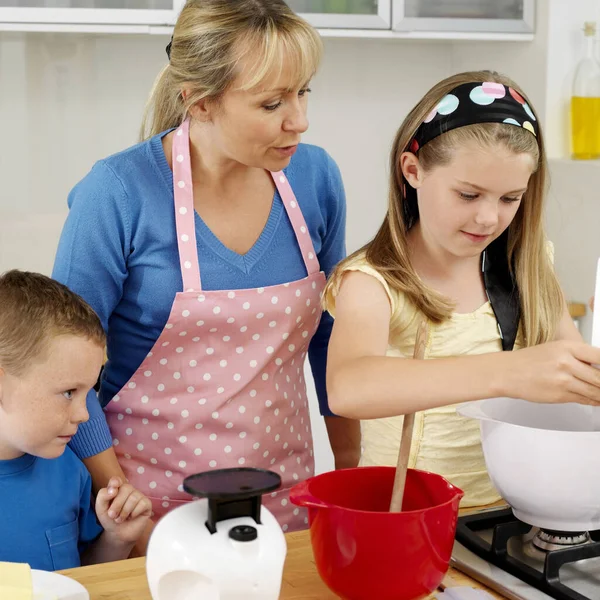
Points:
[(224, 546)]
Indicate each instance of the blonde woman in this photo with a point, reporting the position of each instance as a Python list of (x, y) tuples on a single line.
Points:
[(204, 251), (462, 247)]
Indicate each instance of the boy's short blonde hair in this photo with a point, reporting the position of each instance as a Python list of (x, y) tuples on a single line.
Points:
[(33, 310)]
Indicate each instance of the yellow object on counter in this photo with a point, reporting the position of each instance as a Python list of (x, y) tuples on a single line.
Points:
[(15, 581), (443, 442)]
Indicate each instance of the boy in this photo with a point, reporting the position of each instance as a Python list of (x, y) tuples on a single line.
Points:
[(51, 351)]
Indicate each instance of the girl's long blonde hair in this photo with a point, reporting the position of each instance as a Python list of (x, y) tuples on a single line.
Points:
[(540, 294), (210, 39)]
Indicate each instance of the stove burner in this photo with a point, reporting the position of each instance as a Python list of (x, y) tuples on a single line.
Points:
[(548, 540)]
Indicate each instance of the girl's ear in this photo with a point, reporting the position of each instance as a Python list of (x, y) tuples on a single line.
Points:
[(411, 169)]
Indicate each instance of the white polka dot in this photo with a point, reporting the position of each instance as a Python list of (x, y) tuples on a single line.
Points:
[(243, 329), (185, 313), (169, 473), (182, 464), (152, 485), (215, 415), (145, 399), (163, 361), (202, 401), (164, 344), (183, 210), (288, 310), (223, 363), (308, 302), (191, 389), (231, 295), (169, 326), (156, 412), (145, 421), (260, 290), (217, 310), (241, 461), (210, 351), (242, 409), (128, 411), (242, 435), (155, 436), (252, 393), (179, 350), (212, 464), (131, 385), (268, 404), (278, 362), (256, 446), (256, 420), (193, 363), (256, 337), (160, 387), (277, 437), (227, 449), (237, 377), (183, 334), (127, 456), (177, 375), (305, 334), (185, 414), (153, 461), (129, 431), (265, 454), (212, 437), (181, 184), (260, 315), (303, 229), (213, 330), (226, 338), (206, 376), (187, 264), (239, 349), (293, 204), (198, 425), (270, 349), (265, 377), (298, 293), (220, 390), (140, 470), (170, 426), (179, 132), (282, 468), (311, 255), (274, 300), (273, 324), (201, 298), (185, 237), (183, 439), (282, 179), (197, 452), (140, 447), (291, 347), (285, 336), (167, 450)]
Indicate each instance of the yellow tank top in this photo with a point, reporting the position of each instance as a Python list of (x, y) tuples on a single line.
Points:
[(443, 442)]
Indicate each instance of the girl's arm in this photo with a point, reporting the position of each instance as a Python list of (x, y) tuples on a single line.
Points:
[(363, 383)]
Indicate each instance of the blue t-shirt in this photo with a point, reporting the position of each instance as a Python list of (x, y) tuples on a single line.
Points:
[(118, 250), (46, 513)]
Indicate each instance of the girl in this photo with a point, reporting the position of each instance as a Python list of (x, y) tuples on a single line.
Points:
[(463, 247)]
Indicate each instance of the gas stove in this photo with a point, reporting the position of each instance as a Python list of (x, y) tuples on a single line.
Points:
[(522, 562)]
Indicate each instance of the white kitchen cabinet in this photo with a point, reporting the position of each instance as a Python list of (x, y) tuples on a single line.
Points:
[(345, 14), (468, 16), (90, 12)]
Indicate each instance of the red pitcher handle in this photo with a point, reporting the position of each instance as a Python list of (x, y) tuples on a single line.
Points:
[(301, 496)]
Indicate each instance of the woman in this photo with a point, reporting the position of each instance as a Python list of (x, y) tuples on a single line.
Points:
[(204, 250)]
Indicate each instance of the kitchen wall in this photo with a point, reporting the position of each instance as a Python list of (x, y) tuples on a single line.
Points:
[(67, 100)]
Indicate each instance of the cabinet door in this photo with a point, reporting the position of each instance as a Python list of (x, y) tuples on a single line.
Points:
[(470, 16), (132, 12), (345, 14)]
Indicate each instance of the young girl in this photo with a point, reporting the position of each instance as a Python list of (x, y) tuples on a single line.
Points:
[(462, 247)]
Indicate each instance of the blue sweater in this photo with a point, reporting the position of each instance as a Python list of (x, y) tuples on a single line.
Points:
[(46, 513), (118, 250)]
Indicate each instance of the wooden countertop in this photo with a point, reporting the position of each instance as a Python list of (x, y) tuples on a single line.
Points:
[(126, 580)]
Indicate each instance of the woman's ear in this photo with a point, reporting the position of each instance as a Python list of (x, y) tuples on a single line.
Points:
[(202, 110), (411, 169)]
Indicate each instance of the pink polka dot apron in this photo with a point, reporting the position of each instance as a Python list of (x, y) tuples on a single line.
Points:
[(223, 385)]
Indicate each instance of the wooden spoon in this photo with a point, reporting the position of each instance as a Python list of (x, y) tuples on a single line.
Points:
[(407, 429)]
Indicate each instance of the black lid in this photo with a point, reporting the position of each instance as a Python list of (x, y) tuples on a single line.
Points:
[(232, 493)]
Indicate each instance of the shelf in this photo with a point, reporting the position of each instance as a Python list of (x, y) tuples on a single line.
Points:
[(385, 34)]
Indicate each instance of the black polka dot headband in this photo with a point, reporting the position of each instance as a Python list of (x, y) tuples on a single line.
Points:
[(472, 103)]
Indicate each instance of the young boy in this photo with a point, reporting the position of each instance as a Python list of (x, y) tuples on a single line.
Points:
[(51, 351)]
